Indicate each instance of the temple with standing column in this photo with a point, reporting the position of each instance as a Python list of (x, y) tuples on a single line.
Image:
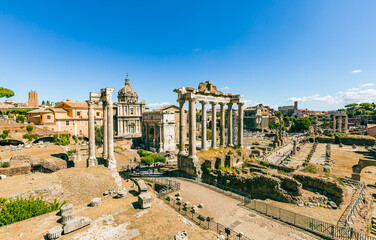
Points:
[(206, 93)]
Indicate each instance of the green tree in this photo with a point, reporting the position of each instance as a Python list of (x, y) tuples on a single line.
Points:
[(29, 128), (4, 92), (99, 136), (43, 102), (20, 119), (5, 134), (301, 124)]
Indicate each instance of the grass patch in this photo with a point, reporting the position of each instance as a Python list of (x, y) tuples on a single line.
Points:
[(19, 209), (310, 168), (5, 165)]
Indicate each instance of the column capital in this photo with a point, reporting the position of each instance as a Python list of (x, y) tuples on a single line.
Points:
[(222, 104), (203, 102), (90, 103), (241, 104), (213, 103), (181, 101), (229, 104)]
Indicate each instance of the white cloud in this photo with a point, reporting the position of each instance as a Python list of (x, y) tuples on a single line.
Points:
[(357, 71), (197, 49), (155, 105), (315, 98), (353, 89), (367, 85), (353, 95), (225, 88), (249, 103)]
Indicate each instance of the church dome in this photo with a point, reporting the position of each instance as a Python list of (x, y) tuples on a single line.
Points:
[(127, 93)]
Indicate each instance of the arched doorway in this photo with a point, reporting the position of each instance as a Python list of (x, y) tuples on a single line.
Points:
[(357, 169)]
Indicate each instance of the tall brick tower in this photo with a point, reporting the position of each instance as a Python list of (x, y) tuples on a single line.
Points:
[(33, 99)]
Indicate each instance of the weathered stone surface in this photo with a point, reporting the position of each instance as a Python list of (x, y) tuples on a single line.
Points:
[(144, 200), (66, 207), (332, 204), (182, 235), (54, 233), (121, 193), (95, 202), (68, 216), (76, 224), (141, 186)]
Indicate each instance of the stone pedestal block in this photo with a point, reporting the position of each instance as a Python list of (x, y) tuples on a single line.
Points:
[(54, 233), (141, 186), (68, 216), (95, 202), (76, 224), (144, 200), (65, 208)]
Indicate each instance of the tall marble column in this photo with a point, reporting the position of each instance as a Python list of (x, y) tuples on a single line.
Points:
[(182, 127), (346, 124), (105, 132), (229, 130), (203, 128), (222, 125), (340, 124), (192, 128), (334, 123), (240, 124), (111, 161), (92, 160), (214, 125)]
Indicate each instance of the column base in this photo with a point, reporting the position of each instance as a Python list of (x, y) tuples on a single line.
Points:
[(182, 153), (104, 156), (92, 161), (194, 158), (111, 163), (230, 145)]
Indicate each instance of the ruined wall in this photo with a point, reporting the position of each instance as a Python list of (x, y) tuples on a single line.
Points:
[(325, 139), (357, 140), (279, 188), (329, 187), (19, 170)]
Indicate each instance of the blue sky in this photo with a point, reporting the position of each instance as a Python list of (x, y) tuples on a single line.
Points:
[(320, 52)]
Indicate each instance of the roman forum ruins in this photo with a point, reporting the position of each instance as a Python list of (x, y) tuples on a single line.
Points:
[(108, 128), (206, 93), (338, 117)]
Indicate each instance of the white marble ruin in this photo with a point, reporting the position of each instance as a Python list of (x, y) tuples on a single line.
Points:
[(108, 128)]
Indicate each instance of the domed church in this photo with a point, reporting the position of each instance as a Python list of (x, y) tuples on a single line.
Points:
[(129, 112)]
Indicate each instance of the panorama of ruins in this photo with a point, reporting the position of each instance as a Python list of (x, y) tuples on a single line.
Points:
[(246, 120)]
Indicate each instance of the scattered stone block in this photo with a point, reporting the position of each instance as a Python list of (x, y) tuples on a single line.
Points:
[(68, 216), (2, 177), (139, 214), (182, 235), (201, 205), (179, 199), (177, 194), (95, 202), (121, 193), (194, 209), (332, 205), (141, 186), (66, 207), (144, 200), (76, 224), (169, 198), (54, 233), (117, 211)]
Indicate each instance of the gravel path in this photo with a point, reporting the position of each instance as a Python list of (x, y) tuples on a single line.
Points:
[(229, 211)]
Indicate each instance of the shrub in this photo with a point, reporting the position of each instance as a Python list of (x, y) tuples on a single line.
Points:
[(230, 152), (70, 152), (20, 119), (142, 153), (228, 169), (340, 181), (5, 134), (62, 139), (148, 160), (29, 128), (245, 164), (19, 209), (30, 137), (310, 168), (265, 163), (5, 164)]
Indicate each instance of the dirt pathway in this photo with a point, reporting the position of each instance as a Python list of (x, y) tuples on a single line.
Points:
[(228, 211)]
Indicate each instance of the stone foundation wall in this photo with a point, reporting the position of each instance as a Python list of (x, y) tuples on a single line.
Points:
[(279, 188), (357, 140), (19, 170), (325, 139), (189, 166), (329, 187)]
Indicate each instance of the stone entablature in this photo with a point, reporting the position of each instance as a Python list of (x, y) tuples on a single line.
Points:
[(338, 117)]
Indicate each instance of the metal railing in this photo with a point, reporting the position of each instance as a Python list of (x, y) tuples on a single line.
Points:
[(199, 219), (353, 207)]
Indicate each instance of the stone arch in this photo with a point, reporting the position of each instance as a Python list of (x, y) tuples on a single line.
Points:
[(45, 139), (357, 169), (10, 142)]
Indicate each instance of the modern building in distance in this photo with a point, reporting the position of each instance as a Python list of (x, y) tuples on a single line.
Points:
[(66, 116)]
